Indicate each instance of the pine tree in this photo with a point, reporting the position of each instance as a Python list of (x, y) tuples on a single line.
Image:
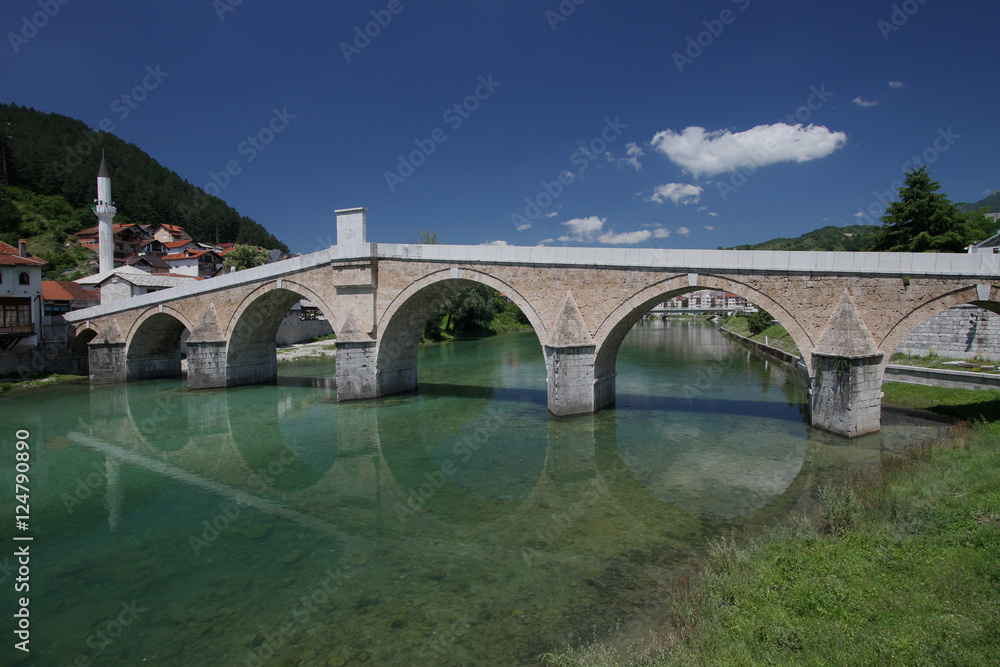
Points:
[(925, 220)]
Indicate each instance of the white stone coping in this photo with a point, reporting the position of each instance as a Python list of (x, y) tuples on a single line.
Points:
[(974, 266)]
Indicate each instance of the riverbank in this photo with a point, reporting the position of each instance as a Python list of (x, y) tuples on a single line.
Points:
[(901, 569), (14, 385)]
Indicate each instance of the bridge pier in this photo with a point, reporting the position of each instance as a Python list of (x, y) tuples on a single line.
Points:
[(107, 362), (356, 370), (573, 388), (206, 361), (846, 394)]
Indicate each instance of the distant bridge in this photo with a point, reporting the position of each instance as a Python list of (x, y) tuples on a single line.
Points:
[(846, 312)]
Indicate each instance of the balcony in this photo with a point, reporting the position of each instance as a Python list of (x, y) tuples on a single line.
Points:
[(18, 330)]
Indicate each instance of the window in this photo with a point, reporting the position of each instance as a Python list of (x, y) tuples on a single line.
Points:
[(24, 278), (15, 314), (56, 308)]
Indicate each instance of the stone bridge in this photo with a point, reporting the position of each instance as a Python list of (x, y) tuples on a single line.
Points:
[(847, 312)]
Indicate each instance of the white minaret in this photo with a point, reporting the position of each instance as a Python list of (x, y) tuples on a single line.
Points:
[(105, 214)]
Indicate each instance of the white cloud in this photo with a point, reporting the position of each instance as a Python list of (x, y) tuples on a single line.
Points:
[(551, 214), (710, 228), (700, 152), (494, 243), (588, 230), (661, 233), (524, 227), (634, 153), (713, 214), (897, 84), (625, 238), (702, 208), (859, 214), (583, 230), (683, 231), (678, 193), (544, 241), (864, 104)]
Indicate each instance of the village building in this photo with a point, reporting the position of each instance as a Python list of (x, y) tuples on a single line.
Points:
[(200, 263), (149, 264), (170, 233), (128, 240), (20, 297)]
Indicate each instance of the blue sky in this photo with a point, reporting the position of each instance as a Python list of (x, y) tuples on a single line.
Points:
[(582, 122)]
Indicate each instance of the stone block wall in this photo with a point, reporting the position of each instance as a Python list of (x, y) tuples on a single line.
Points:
[(962, 332)]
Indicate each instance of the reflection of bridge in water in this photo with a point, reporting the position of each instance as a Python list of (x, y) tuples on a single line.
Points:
[(343, 470)]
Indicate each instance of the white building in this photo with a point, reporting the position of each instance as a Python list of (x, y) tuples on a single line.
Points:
[(20, 297)]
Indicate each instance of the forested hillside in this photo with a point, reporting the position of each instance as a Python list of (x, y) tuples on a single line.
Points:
[(991, 203), (851, 238), (51, 154)]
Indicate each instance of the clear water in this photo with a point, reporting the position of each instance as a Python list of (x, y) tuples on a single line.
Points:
[(458, 525)]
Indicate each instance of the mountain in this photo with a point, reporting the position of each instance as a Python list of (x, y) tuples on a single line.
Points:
[(992, 202), (54, 155), (851, 238)]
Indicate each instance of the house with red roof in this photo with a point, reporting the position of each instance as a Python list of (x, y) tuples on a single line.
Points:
[(59, 296), (128, 240), (197, 263), (20, 297), (169, 233)]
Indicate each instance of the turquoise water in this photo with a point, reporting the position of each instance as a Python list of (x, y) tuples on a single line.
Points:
[(458, 525)]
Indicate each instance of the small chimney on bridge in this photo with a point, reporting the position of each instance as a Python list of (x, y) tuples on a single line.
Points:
[(351, 226)]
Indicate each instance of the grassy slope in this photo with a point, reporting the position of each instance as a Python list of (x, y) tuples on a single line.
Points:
[(775, 335)]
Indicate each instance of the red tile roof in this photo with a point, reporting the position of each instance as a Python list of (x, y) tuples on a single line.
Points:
[(173, 229), (59, 290), (188, 255), (114, 229), (9, 256), (178, 244)]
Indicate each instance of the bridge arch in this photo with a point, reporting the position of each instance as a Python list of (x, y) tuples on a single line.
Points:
[(928, 309), (406, 316), (251, 355), (153, 344), (619, 322)]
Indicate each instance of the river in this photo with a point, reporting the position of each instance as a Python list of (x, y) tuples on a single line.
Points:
[(461, 524)]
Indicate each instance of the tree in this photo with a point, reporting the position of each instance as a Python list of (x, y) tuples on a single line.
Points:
[(427, 237), (245, 257), (759, 321), (924, 220)]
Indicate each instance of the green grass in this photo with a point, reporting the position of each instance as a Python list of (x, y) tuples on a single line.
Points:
[(13, 385), (939, 362), (775, 335), (903, 569), (967, 404)]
